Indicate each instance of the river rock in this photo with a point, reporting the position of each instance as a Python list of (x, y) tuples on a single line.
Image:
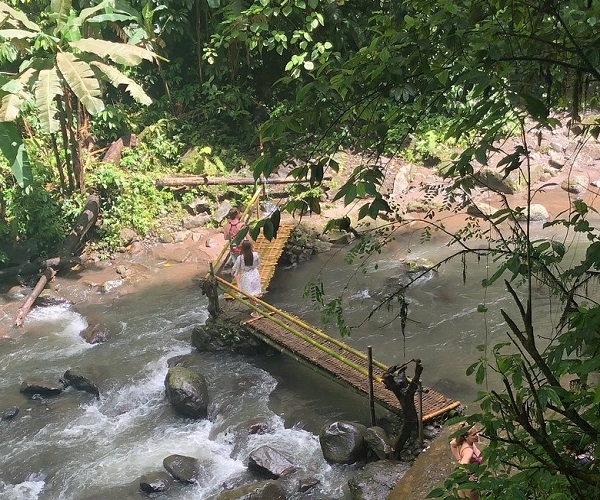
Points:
[(81, 379), (39, 387), (376, 480), (223, 335), (270, 462), (343, 442), (183, 468), (267, 490), (418, 264), (576, 184), (187, 392), (10, 413), (537, 213), (156, 482), (378, 441)]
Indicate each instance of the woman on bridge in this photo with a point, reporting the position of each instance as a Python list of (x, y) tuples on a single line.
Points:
[(245, 271)]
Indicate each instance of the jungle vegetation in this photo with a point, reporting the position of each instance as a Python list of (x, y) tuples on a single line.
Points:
[(302, 79)]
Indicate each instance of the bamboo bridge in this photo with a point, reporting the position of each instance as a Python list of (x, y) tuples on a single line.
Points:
[(313, 347)]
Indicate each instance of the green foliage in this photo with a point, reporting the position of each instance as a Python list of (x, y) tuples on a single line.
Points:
[(131, 201)]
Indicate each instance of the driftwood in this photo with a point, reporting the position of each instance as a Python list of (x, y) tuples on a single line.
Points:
[(395, 380), (69, 246), (202, 180)]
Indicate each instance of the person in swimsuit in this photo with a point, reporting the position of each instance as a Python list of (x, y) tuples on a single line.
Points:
[(465, 451)]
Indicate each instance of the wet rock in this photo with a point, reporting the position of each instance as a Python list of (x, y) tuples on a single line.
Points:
[(481, 209), (10, 413), (222, 335), (376, 480), (307, 483), (81, 379), (343, 442), (378, 441), (94, 333), (187, 392), (267, 490), (418, 265), (270, 462), (183, 468), (39, 387), (156, 482)]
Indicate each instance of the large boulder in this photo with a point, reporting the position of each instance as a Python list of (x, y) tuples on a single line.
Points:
[(270, 462), (182, 468), (378, 441), (81, 379), (266, 490), (376, 480), (187, 392), (343, 442)]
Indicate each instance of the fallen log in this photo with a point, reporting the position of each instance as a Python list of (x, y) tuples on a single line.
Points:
[(202, 180), (41, 284), (69, 246), (39, 266)]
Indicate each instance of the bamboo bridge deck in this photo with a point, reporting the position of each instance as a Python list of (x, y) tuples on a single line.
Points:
[(311, 346)]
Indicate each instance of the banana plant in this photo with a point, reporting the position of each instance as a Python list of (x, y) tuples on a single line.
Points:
[(63, 74)]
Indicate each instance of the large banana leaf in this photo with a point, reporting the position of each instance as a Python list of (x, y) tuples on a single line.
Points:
[(82, 81), (13, 149), (11, 34), (10, 107), (60, 9), (120, 53), (46, 89), (117, 78), (19, 17)]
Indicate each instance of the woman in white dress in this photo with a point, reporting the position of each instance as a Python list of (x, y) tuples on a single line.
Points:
[(246, 272)]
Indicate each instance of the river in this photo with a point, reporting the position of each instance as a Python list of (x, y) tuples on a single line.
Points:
[(76, 446)]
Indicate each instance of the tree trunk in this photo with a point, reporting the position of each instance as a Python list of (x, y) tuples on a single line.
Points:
[(395, 380), (83, 223), (113, 154)]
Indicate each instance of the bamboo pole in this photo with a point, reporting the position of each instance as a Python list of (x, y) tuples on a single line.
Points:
[(371, 398)]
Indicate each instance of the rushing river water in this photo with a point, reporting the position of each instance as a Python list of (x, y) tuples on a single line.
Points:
[(76, 446)]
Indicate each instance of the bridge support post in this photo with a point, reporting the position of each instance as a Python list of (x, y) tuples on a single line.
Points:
[(371, 398), (209, 288)]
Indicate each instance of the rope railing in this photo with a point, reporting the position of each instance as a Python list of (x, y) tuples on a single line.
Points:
[(250, 301)]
